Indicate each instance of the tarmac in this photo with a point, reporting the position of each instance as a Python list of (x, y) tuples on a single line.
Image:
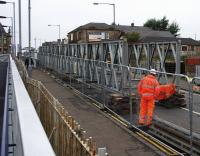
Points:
[(106, 132)]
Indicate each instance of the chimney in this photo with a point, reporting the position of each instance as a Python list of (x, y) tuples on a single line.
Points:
[(132, 24)]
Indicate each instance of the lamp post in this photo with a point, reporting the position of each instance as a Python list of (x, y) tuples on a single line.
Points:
[(113, 9), (4, 17), (29, 37), (20, 29), (57, 26), (13, 28)]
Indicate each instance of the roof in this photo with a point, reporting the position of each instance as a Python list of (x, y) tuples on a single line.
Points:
[(189, 41), (99, 26), (158, 39), (144, 31)]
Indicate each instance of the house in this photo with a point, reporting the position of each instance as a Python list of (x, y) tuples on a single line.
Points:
[(93, 32), (101, 31), (5, 40), (189, 47)]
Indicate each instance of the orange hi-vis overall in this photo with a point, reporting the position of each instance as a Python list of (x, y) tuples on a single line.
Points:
[(146, 88)]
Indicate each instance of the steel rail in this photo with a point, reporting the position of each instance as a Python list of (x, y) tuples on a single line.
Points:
[(145, 136)]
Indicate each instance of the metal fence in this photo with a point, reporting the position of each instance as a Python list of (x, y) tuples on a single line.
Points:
[(101, 80), (194, 110), (65, 134)]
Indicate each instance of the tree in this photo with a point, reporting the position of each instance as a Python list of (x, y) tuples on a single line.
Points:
[(163, 25), (174, 29), (151, 23), (132, 37), (164, 22)]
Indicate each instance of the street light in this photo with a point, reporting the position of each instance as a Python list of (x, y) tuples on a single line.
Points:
[(29, 36), (113, 9), (13, 28), (57, 26), (20, 29), (3, 17)]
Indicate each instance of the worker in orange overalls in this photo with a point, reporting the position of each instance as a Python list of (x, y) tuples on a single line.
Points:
[(146, 89)]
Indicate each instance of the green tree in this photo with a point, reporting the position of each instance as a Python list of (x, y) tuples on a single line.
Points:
[(151, 23), (132, 37), (174, 28), (163, 25)]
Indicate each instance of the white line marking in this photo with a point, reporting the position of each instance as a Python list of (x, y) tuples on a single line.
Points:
[(188, 92), (197, 113)]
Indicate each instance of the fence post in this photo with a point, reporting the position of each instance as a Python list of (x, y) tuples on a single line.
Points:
[(70, 79), (125, 59), (83, 76), (130, 96), (102, 83), (191, 115)]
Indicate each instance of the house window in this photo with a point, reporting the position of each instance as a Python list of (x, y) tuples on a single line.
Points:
[(107, 35), (184, 48)]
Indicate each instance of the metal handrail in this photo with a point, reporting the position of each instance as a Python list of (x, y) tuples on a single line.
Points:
[(27, 127), (4, 139)]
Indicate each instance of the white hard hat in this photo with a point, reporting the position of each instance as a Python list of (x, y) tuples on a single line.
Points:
[(153, 71)]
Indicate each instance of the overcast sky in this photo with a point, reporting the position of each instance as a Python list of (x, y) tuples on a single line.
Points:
[(73, 13)]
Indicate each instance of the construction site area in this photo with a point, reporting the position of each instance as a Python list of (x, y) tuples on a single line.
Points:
[(92, 86), (86, 98)]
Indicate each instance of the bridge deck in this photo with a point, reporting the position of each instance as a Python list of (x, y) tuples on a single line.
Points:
[(180, 116), (107, 133)]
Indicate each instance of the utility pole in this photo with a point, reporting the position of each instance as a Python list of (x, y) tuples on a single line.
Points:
[(29, 36), (20, 30), (14, 27)]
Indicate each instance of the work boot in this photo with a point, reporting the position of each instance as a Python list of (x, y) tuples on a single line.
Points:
[(144, 128)]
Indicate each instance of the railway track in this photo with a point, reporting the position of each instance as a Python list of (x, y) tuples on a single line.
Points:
[(166, 140)]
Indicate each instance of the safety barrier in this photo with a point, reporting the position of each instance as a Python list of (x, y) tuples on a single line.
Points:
[(113, 86), (194, 110), (91, 69), (4, 94), (22, 125), (65, 134)]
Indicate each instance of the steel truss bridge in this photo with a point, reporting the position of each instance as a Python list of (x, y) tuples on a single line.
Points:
[(107, 62), (117, 66)]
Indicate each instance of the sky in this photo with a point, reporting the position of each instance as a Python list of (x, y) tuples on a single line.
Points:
[(70, 14)]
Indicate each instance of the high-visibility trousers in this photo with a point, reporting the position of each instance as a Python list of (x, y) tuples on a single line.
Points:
[(147, 105)]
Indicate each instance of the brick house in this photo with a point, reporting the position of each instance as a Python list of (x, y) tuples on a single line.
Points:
[(93, 32), (5, 40), (189, 47)]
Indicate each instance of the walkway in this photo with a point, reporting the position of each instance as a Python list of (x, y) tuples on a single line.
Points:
[(107, 133)]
